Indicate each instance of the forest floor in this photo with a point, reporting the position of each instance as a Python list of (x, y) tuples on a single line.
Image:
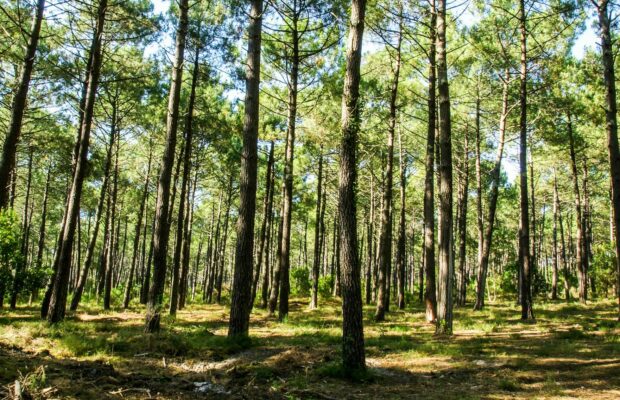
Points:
[(572, 351)]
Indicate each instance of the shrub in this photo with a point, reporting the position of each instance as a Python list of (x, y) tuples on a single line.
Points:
[(326, 283), (300, 281)]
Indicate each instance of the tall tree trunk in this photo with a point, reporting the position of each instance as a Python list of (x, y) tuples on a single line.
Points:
[(244, 262), (385, 244), (187, 242), (556, 209), (430, 297), (287, 200), (446, 262), (525, 264), (267, 208), (462, 221), (239, 323), (189, 132), (316, 262), (58, 298), (483, 260), (90, 250), (112, 233), (162, 228), (370, 240), (401, 256), (222, 248), (136, 239), (612, 126), (146, 284), (582, 258), (353, 354), (42, 229), (18, 107)]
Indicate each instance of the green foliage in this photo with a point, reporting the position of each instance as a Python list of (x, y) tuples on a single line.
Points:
[(300, 284), (326, 283), (11, 258)]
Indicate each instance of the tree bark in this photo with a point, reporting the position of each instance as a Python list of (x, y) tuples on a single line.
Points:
[(524, 231), (239, 323), (430, 297), (162, 228), (353, 354), (446, 262)]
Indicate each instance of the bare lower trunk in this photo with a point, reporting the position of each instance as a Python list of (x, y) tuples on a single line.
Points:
[(240, 307), (446, 262), (353, 354), (429, 192)]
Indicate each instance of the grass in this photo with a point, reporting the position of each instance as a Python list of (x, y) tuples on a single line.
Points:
[(572, 351)]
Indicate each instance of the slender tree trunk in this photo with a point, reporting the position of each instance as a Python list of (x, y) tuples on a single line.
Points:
[(353, 354), (287, 199), (113, 241), (222, 247), (90, 250), (446, 262), (42, 229), (267, 206), (581, 256), (136, 239), (189, 132), (18, 107), (483, 260), (162, 228), (556, 209), (385, 244), (462, 221), (525, 264), (316, 262), (58, 298), (401, 256), (370, 240), (430, 297)]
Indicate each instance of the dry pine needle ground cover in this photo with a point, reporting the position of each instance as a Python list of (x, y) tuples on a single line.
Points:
[(571, 352)]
